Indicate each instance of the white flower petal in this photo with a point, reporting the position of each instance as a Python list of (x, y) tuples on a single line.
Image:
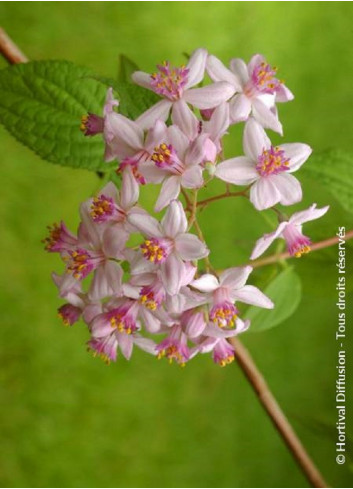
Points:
[(158, 111), (265, 241), (239, 108), (288, 187), (297, 153), (174, 222), (196, 67), (240, 171), (255, 140), (206, 283), (172, 272), (218, 72), (209, 96), (189, 247), (169, 191), (264, 193), (265, 116), (240, 70), (235, 278), (147, 225), (129, 189), (252, 295), (185, 119), (308, 215), (143, 79)]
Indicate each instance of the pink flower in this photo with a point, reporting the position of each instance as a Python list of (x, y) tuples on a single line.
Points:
[(222, 293), (291, 232), (174, 85), (180, 163), (59, 239), (257, 89), (267, 167), (168, 245), (174, 346)]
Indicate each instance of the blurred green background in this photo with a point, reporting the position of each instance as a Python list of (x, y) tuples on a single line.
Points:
[(68, 420)]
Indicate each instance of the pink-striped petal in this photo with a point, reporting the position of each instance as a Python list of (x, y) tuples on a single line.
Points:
[(143, 79), (192, 177), (172, 272), (235, 278), (147, 225), (129, 189), (308, 215)]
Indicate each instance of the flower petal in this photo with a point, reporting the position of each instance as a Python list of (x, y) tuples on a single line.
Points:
[(218, 72), (264, 115), (189, 247), (240, 171), (255, 140), (114, 239), (145, 344), (143, 79), (196, 67), (129, 189), (206, 283), (308, 215), (147, 225), (107, 281), (127, 131), (185, 119), (169, 191), (240, 70), (239, 108), (283, 94), (172, 272), (235, 277), (264, 193), (266, 240), (126, 343), (297, 153), (288, 187), (178, 140), (158, 111), (252, 295), (209, 96), (192, 177), (218, 123), (174, 222)]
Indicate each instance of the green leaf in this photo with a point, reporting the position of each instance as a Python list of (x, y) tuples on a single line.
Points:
[(41, 104), (334, 169), (285, 292), (127, 67), (134, 100)]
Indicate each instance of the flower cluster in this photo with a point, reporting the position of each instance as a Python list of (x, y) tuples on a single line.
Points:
[(156, 289)]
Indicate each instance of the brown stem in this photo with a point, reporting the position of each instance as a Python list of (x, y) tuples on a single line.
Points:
[(276, 414), (221, 196), (284, 256), (9, 49)]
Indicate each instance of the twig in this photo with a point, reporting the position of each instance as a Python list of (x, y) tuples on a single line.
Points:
[(284, 256), (9, 49), (276, 414), (12, 53), (221, 196)]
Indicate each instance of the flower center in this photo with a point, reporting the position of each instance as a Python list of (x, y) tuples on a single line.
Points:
[(103, 209), (297, 243), (264, 78), (69, 314), (272, 161), (124, 321), (224, 314), (81, 262), (91, 124), (156, 250), (152, 296), (165, 156), (169, 81)]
